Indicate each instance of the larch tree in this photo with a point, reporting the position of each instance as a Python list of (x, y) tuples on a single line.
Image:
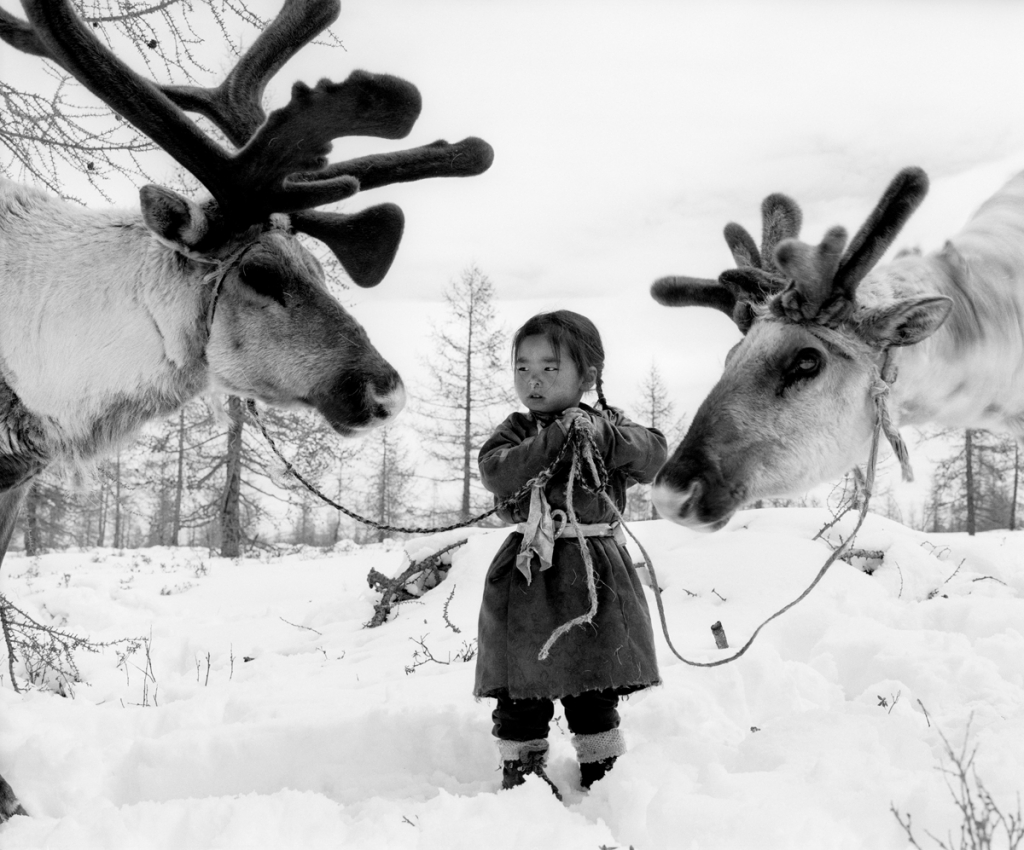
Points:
[(55, 135), (324, 459), (389, 480), (974, 488), (654, 409), (470, 388)]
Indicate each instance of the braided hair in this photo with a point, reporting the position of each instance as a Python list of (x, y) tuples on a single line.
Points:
[(572, 334)]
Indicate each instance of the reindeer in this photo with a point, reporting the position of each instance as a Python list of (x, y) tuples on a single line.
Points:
[(795, 404), (111, 319)]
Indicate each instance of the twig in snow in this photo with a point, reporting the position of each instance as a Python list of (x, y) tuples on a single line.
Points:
[(444, 613), (299, 626), (926, 715), (47, 653), (392, 590), (982, 820), (423, 655)]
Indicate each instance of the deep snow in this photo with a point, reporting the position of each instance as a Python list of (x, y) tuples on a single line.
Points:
[(324, 739)]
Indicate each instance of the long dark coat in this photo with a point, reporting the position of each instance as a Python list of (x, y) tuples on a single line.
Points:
[(615, 651)]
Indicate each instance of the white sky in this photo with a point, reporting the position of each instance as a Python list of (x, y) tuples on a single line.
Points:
[(627, 134)]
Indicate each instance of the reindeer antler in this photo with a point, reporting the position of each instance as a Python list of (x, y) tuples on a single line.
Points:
[(824, 280), (282, 162), (756, 277)]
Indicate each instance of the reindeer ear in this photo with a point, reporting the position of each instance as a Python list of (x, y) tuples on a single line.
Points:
[(906, 322), (173, 217)]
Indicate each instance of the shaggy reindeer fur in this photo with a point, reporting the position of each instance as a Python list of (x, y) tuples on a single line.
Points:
[(794, 406), (105, 327)]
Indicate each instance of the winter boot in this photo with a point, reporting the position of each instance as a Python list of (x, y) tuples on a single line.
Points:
[(519, 758), (591, 771), (597, 754)]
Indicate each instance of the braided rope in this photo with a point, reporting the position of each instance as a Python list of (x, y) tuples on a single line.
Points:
[(541, 477), (883, 424), (881, 383), (584, 444)]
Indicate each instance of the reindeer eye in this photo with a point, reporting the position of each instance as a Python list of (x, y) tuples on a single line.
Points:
[(805, 365), (263, 280)]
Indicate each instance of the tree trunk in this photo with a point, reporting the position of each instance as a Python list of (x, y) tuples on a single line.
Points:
[(32, 518), (10, 506), (117, 502), (336, 534), (382, 501), (968, 442), (101, 516), (1016, 483), (179, 484), (467, 431), (230, 514)]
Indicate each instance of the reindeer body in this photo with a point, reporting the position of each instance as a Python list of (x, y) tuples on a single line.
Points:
[(102, 325), (794, 407), (111, 319), (106, 326), (970, 372)]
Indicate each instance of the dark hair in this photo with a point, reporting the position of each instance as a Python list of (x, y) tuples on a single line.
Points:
[(572, 334)]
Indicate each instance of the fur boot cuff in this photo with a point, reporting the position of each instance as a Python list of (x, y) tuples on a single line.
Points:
[(599, 746), (512, 750)]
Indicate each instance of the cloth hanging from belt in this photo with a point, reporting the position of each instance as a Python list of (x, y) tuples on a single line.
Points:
[(543, 526)]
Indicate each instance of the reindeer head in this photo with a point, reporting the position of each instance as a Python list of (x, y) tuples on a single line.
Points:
[(274, 332), (793, 407)]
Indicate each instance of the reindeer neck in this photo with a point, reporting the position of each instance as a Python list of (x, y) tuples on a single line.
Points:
[(970, 373), (117, 323)]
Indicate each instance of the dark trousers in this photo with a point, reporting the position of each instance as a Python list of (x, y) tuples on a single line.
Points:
[(525, 719)]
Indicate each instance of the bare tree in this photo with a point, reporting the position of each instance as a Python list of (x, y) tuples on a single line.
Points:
[(654, 409), (471, 390), (54, 134), (1015, 490), (975, 487), (390, 477)]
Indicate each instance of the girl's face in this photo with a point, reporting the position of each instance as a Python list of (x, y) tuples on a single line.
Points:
[(546, 383)]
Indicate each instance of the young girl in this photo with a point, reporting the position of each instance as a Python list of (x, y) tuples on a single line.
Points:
[(538, 579)]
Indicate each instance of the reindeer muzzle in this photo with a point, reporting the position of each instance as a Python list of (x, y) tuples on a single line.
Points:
[(361, 399)]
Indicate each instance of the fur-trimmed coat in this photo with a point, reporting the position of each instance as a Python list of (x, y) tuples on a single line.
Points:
[(616, 651)]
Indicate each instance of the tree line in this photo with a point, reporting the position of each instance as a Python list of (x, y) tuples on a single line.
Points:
[(976, 486), (206, 477)]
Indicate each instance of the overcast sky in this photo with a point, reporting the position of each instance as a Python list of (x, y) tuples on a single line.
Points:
[(626, 134)]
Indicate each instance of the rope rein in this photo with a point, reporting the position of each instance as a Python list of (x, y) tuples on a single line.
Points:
[(883, 424), (541, 477), (584, 449), (582, 444)]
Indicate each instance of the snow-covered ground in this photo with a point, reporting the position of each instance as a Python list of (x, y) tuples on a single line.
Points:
[(273, 718)]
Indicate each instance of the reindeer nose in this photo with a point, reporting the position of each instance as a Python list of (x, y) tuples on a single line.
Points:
[(677, 505), (392, 402)]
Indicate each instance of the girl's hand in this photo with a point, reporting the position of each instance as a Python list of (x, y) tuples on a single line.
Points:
[(583, 423)]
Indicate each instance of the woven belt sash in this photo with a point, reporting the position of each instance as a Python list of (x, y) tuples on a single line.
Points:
[(544, 527), (591, 529)]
